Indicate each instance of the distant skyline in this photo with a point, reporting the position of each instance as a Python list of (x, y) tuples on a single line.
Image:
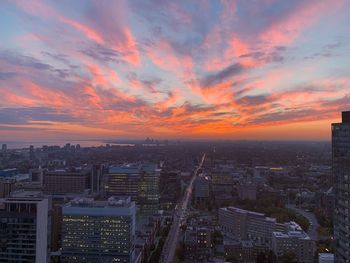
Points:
[(264, 70)]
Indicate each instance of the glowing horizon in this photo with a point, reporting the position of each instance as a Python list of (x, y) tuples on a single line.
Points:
[(272, 70)]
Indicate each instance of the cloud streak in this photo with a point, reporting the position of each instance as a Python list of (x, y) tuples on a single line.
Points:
[(172, 69)]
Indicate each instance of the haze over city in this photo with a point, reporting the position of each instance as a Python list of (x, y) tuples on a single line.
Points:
[(267, 70), (186, 131)]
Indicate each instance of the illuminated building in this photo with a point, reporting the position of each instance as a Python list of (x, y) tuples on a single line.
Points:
[(293, 241), (243, 225), (341, 178), (24, 229), (99, 231), (139, 181)]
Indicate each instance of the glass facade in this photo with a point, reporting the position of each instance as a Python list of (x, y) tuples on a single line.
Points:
[(341, 182), (98, 233)]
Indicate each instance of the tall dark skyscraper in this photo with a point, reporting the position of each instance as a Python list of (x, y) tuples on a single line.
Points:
[(341, 178)]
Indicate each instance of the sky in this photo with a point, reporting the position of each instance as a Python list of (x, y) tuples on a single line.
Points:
[(201, 69)]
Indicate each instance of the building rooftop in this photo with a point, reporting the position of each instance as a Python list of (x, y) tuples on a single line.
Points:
[(113, 201), (239, 210), (325, 256), (133, 168), (291, 234), (345, 116), (23, 193), (69, 171), (8, 172)]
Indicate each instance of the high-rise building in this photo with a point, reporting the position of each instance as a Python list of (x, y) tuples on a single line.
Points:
[(99, 231), (341, 178), (139, 181), (66, 181), (4, 148), (24, 229), (201, 190), (96, 177), (169, 188), (31, 152)]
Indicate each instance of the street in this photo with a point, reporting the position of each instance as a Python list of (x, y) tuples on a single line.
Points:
[(179, 217), (312, 220)]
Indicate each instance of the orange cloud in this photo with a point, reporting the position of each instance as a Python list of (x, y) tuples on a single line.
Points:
[(88, 32)]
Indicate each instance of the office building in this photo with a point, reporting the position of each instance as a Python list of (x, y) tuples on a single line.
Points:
[(244, 250), (36, 175), (24, 228), (4, 148), (31, 152), (222, 186), (242, 224), (247, 191), (66, 181), (7, 185), (96, 177), (99, 231), (201, 190), (197, 243), (139, 181), (341, 178), (326, 258), (293, 241), (169, 188)]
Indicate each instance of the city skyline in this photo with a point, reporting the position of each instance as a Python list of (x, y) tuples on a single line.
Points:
[(272, 70)]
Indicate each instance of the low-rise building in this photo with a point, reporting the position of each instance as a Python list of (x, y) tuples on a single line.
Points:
[(242, 224), (326, 258), (243, 251), (293, 241), (247, 191), (197, 243)]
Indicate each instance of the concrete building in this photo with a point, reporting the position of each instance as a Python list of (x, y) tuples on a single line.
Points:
[(66, 181), (325, 201), (37, 175), (243, 251), (4, 147), (241, 224), (201, 190), (169, 188), (139, 181), (7, 185), (99, 231), (326, 258), (341, 178), (293, 241), (221, 185), (197, 243), (247, 191), (24, 228)]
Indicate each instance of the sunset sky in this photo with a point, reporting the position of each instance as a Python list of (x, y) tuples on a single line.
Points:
[(245, 69)]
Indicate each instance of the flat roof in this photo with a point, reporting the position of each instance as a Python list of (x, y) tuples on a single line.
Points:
[(133, 168)]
